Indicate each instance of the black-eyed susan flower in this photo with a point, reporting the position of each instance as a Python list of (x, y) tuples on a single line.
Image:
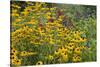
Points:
[(83, 47), (62, 50), (39, 63), (23, 53), (12, 53), (13, 57), (13, 50), (77, 50), (70, 51), (18, 62), (71, 46), (56, 52), (83, 39), (65, 57), (62, 53), (76, 59)]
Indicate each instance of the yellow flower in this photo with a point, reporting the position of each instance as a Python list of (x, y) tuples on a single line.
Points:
[(48, 17), (23, 53), (25, 13), (75, 40), (30, 30), (82, 47), (76, 59), (71, 45), (77, 50), (56, 52), (62, 54), (76, 35), (39, 63), (12, 53), (50, 57), (62, 50), (65, 57), (82, 39), (13, 57), (27, 9), (70, 51), (18, 62), (13, 50)]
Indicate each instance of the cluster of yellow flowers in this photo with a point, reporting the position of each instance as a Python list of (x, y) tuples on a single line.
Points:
[(61, 55), (39, 26), (70, 52), (14, 58)]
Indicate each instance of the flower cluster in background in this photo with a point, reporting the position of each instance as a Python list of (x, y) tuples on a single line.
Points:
[(41, 33)]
